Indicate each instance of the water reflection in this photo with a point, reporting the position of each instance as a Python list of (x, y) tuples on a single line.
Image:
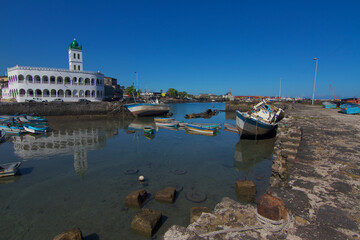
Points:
[(250, 153)]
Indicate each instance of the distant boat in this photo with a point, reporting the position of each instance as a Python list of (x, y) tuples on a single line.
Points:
[(261, 120), (149, 129), (39, 129), (148, 109), (208, 125), (167, 124), (329, 105), (9, 169), (2, 135), (350, 108), (163, 119), (200, 129)]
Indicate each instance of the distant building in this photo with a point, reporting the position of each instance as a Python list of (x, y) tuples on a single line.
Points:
[(50, 83), (3, 84), (112, 89)]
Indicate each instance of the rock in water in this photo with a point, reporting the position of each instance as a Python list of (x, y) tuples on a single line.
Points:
[(146, 222)]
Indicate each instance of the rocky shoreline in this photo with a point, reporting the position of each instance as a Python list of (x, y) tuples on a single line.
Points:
[(316, 175)]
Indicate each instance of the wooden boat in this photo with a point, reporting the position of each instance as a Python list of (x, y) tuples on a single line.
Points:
[(2, 135), (164, 119), (231, 128), (9, 169), (36, 129), (261, 120), (167, 124), (148, 129), (350, 108), (148, 109), (329, 105), (199, 129)]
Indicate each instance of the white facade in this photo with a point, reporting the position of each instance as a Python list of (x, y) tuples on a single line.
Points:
[(50, 83)]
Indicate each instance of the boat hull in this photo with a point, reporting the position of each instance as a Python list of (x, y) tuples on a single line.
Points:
[(350, 108), (145, 109), (252, 127), (199, 129), (9, 169)]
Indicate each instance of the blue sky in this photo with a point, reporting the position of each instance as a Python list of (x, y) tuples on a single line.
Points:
[(194, 46)]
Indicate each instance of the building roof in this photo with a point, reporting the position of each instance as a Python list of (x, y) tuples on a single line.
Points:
[(75, 45)]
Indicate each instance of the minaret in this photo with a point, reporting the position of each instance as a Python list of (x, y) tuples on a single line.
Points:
[(75, 56)]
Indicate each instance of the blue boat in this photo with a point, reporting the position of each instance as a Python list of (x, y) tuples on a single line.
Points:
[(36, 129), (329, 105), (200, 129), (350, 108)]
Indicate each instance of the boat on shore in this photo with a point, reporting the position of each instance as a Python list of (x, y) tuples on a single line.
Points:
[(148, 109), (261, 120), (350, 108), (9, 169), (329, 105)]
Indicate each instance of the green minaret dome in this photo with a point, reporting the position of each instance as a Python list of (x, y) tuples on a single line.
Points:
[(75, 45)]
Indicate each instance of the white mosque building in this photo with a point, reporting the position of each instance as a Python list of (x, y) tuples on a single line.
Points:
[(26, 83)]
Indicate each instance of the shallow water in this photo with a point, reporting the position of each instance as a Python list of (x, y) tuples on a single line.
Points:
[(76, 176)]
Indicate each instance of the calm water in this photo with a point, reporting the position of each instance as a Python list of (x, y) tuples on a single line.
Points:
[(75, 177)]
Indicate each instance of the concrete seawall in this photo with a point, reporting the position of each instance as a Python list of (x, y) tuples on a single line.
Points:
[(64, 108)]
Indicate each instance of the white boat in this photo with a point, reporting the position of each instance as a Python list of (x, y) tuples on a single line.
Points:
[(200, 129), (167, 124), (9, 169), (2, 135), (147, 109), (259, 121), (36, 129)]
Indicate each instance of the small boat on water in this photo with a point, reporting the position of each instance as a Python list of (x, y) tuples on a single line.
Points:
[(208, 125), (350, 108), (164, 119), (11, 129), (200, 129), (329, 105), (39, 129), (9, 169), (2, 135), (231, 128), (261, 120), (167, 124), (148, 109), (148, 129)]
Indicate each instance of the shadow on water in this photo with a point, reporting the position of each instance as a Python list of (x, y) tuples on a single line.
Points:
[(25, 171), (249, 153), (92, 236)]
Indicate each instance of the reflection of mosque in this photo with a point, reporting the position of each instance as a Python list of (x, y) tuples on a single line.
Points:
[(62, 142)]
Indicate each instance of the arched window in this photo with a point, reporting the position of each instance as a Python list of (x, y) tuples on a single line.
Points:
[(46, 93), (74, 81), (87, 93), (78, 55), (75, 92), (97, 81), (79, 67), (22, 92), (67, 93), (38, 93), (60, 93), (37, 79), (29, 79), (74, 67), (53, 93), (92, 81), (75, 55), (30, 93), (67, 80), (59, 80), (52, 80), (21, 78), (93, 93), (87, 81), (81, 81), (97, 94), (45, 79), (81, 93)]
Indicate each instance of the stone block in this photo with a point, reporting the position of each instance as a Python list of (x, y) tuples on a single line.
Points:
[(166, 195), (146, 222), (73, 234), (271, 207), (196, 212), (136, 199), (246, 191)]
